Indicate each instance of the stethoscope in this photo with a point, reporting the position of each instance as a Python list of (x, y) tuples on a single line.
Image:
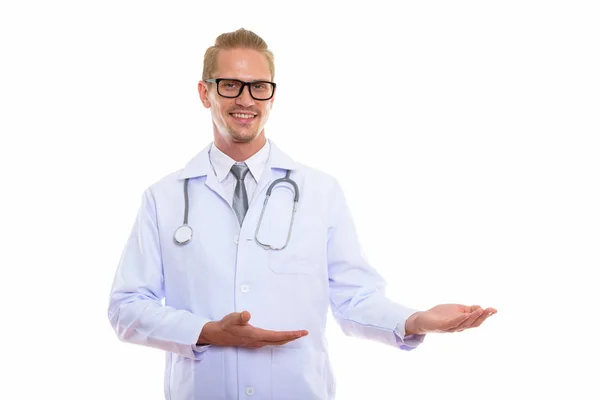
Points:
[(184, 233)]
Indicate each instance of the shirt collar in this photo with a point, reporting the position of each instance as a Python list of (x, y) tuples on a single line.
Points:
[(200, 165), (223, 163)]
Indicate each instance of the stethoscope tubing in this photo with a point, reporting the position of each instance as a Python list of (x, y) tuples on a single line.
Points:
[(184, 233)]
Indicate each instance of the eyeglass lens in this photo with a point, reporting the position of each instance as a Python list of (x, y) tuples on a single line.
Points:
[(258, 90)]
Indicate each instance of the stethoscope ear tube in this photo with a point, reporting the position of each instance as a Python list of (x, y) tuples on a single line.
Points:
[(187, 201), (184, 233), (295, 207), (285, 180)]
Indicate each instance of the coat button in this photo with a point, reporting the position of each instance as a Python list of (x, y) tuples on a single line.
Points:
[(245, 288), (236, 239), (249, 391)]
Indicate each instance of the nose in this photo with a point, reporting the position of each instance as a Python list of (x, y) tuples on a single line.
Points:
[(244, 99)]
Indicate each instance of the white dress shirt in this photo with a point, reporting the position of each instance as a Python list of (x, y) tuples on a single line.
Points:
[(222, 164)]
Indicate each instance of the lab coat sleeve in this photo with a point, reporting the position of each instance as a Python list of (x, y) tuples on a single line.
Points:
[(135, 310), (357, 291)]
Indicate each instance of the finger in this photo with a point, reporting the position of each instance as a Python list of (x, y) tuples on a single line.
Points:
[(475, 319), (463, 308), (244, 317), (291, 336), (256, 345), (466, 324), (279, 343), (486, 314), (277, 336), (460, 327), (479, 320), (455, 322), (451, 325), (236, 318)]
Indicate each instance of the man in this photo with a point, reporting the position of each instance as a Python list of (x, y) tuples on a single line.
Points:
[(246, 282)]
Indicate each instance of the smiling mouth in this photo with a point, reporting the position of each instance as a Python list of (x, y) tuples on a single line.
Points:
[(243, 116)]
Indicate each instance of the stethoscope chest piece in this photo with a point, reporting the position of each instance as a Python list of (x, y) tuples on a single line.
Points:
[(183, 234)]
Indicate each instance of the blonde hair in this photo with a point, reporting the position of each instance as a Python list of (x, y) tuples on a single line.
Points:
[(240, 39)]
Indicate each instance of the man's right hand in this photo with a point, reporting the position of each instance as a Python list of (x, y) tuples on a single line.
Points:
[(234, 330)]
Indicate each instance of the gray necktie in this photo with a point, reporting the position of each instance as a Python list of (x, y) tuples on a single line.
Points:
[(240, 196)]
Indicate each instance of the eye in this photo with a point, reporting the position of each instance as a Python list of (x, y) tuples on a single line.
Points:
[(229, 85)]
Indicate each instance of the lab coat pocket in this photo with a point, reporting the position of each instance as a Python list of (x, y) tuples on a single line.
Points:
[(296, 258), (198, 379), (298, 373), (298, 245)]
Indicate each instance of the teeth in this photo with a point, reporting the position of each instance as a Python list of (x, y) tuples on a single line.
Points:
[(243, 115)]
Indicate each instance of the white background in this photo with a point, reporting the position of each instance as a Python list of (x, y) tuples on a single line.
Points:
[(465, 135)]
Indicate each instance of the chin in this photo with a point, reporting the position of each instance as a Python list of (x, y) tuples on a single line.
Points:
[(243, 137)]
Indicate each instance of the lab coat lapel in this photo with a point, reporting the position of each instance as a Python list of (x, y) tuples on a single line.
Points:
[(278, 163), (263, 184), (200, 166), (216, 186)]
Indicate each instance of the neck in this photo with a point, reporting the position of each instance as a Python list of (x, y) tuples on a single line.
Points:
[(240, 151)]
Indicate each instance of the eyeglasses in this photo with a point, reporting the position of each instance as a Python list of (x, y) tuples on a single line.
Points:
[(232, 88)]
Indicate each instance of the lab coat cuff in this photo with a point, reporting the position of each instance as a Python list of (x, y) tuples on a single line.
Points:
[(191, 332), (409, 342)]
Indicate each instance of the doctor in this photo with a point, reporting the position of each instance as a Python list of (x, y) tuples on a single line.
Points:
[(247, 283)]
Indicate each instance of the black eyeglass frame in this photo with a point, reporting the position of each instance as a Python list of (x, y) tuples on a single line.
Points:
[(217, 80)]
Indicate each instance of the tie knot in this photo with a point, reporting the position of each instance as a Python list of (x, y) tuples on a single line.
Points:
[(239, 170)]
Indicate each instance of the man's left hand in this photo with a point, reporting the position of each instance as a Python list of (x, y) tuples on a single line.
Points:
[(447, 318)]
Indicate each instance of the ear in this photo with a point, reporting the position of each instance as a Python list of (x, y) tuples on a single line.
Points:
[(203, 92)]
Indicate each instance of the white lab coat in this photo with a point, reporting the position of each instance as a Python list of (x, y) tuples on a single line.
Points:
[(223, 270)]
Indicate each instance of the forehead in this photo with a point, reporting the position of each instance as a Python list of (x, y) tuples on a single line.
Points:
[(244, 64)]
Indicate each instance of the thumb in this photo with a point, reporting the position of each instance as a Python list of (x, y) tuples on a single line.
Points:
[(244, 317)]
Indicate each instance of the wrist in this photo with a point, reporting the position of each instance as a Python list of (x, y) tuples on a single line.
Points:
[(411, 325), (208, 334)]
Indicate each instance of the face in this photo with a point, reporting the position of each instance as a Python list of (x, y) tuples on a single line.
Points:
[(230, 116)]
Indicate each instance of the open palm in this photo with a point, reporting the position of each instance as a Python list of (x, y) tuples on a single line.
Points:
[(451, 318)]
